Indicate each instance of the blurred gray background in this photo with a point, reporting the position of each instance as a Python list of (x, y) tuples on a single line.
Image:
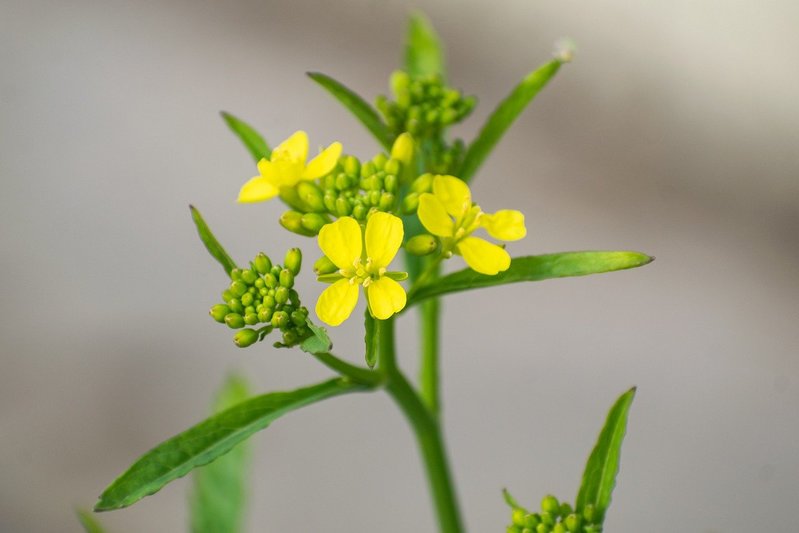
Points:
[(674, 132)]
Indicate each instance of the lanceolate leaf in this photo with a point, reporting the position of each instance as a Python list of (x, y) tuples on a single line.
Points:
[(89, 523), (209, 440), (599, 477), (218, 499), (533, 268), (210, 242), (357, 106), (252, 140), (423, 52), (503, 116)]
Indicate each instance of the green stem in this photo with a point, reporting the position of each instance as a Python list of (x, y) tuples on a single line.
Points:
[(428, 369), (427, 430), (356, 373)]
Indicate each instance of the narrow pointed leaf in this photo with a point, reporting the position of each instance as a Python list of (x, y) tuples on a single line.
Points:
[(510, 500), (423, 52), (252, 140), (90, 523), (210, 242), (371, 339), (317, 343), (503, 116), (599, 477), (218, 498), (364, 112), (532, 268), (209, 440)]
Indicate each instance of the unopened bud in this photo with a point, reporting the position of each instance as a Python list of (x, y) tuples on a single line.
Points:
[(248, 276), (550, 504), (548, 519), (367, 169), (423, 183), (227, 295), (399, 82), (286, 278), (245, 337), (251, 318), (265, 314), (290, 337), (219, 311), (324, 265), (402, 149), (235, 274), (352, 166), (313, 222), (282, 295), (517, 517), (298, 318), (311, 195), (343, 207), (293, 260), (359, 212), (234, 320), (559, 528), (542, 528), (247, 299), (573, 522), (292, 198), (410, 203), (589, 513), (280, 319), (565, 509), (393, 167), (390, 183), (292, 221), (238, 288), (531, 521), (262, 263), (386, 201), (380, 161), (423, 244)]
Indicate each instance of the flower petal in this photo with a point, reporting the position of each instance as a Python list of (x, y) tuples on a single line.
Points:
[(296, 146), (336, 302), (483, 256), (341, 242), (434, 216), (453, 193), (257, 189), (505, 225), (323, 163), (385, 297), (383, 238)]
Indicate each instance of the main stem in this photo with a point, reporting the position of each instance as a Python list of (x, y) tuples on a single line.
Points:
[(427, 429)]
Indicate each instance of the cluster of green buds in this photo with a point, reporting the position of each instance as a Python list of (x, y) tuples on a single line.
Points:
[(555, 517), (352, 189), (264, 295)]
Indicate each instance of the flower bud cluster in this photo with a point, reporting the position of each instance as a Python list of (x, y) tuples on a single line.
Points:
[(264, 295), (352, 189), (554, 517)]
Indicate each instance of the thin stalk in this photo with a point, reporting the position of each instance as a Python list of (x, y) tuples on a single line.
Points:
[(428, 367), (356, 373)]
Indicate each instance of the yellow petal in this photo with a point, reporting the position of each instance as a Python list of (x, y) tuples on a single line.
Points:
[(483, 256), (323, 163), (385, 297), (341, 242), (257, 189), (336, 302), (296, 147), (434, 216), (453, 193), (383, 238), (505, 225)]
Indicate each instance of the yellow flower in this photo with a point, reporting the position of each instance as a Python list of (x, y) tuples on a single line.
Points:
[(343, 242), (287, 167), (449, 214)]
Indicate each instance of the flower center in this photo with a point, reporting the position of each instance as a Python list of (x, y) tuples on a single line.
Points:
[(363, 273)]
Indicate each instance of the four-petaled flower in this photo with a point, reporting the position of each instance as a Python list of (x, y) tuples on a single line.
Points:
[(449, 214), (362, 259), (286, 167)]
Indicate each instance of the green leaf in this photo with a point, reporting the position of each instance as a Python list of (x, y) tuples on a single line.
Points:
[(423, 51), (210, 242), (532, 268), (89, 522), (209, 440), (319, 342), (503, 116), (510, 500), (599, 477), (371, 339), (252, 140), (365, 113), (218, 500)]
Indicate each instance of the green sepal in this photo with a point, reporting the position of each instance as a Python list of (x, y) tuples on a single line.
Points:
[(318, 342), (532, 268), (510, 500), (397, 276), (210, 242), (218, 497), (503, 116), (252, 140), (423, 52), (364, 112), (90, 523), (209, 440), (599, 477), (371, 339)]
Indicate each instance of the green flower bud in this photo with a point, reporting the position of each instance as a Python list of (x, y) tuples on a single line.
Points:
[(410, 203), (280, 319), (227, 295), (367, 169), (589, 513), (219, 311), (235, 305), (573, 522), (423, 183), (282, 295), (390, 183), (292, 221), (343, 207), (251, 318), (324, 265), (294, 298), (517, 517), (234, 320), (298, 318), (246, 299), (293, 260), (312, 195), (238, 288), (270, 280), (542, 528), (374, 198), (286, 279), (528, 530), (265, 314), (360, 211), (245, 337), (531, 520), (249, 309), (423, 244), (290, 337), (259, 284), (548, 518), (559, 528), (235, 274), (262, 263), (386, 201), (248, 276), (313, 222), (343, 182), (565, 510), (392, 167), (330, 201), (399, 82), (292, 198), (550, 504), (402, 150), (379, 161), (269, 301), (513, 529), (352, 166)]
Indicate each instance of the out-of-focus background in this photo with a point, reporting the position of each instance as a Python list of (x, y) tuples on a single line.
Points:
[(675, 132)]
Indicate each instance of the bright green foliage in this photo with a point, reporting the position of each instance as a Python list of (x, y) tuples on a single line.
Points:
[(219, 495), (554, 517), (209, 440), (532, 268), (210, 242), (252, 140), (503, 116), (357, 106), (90, 523), (599, 477), (424, 55), (318, 342)]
